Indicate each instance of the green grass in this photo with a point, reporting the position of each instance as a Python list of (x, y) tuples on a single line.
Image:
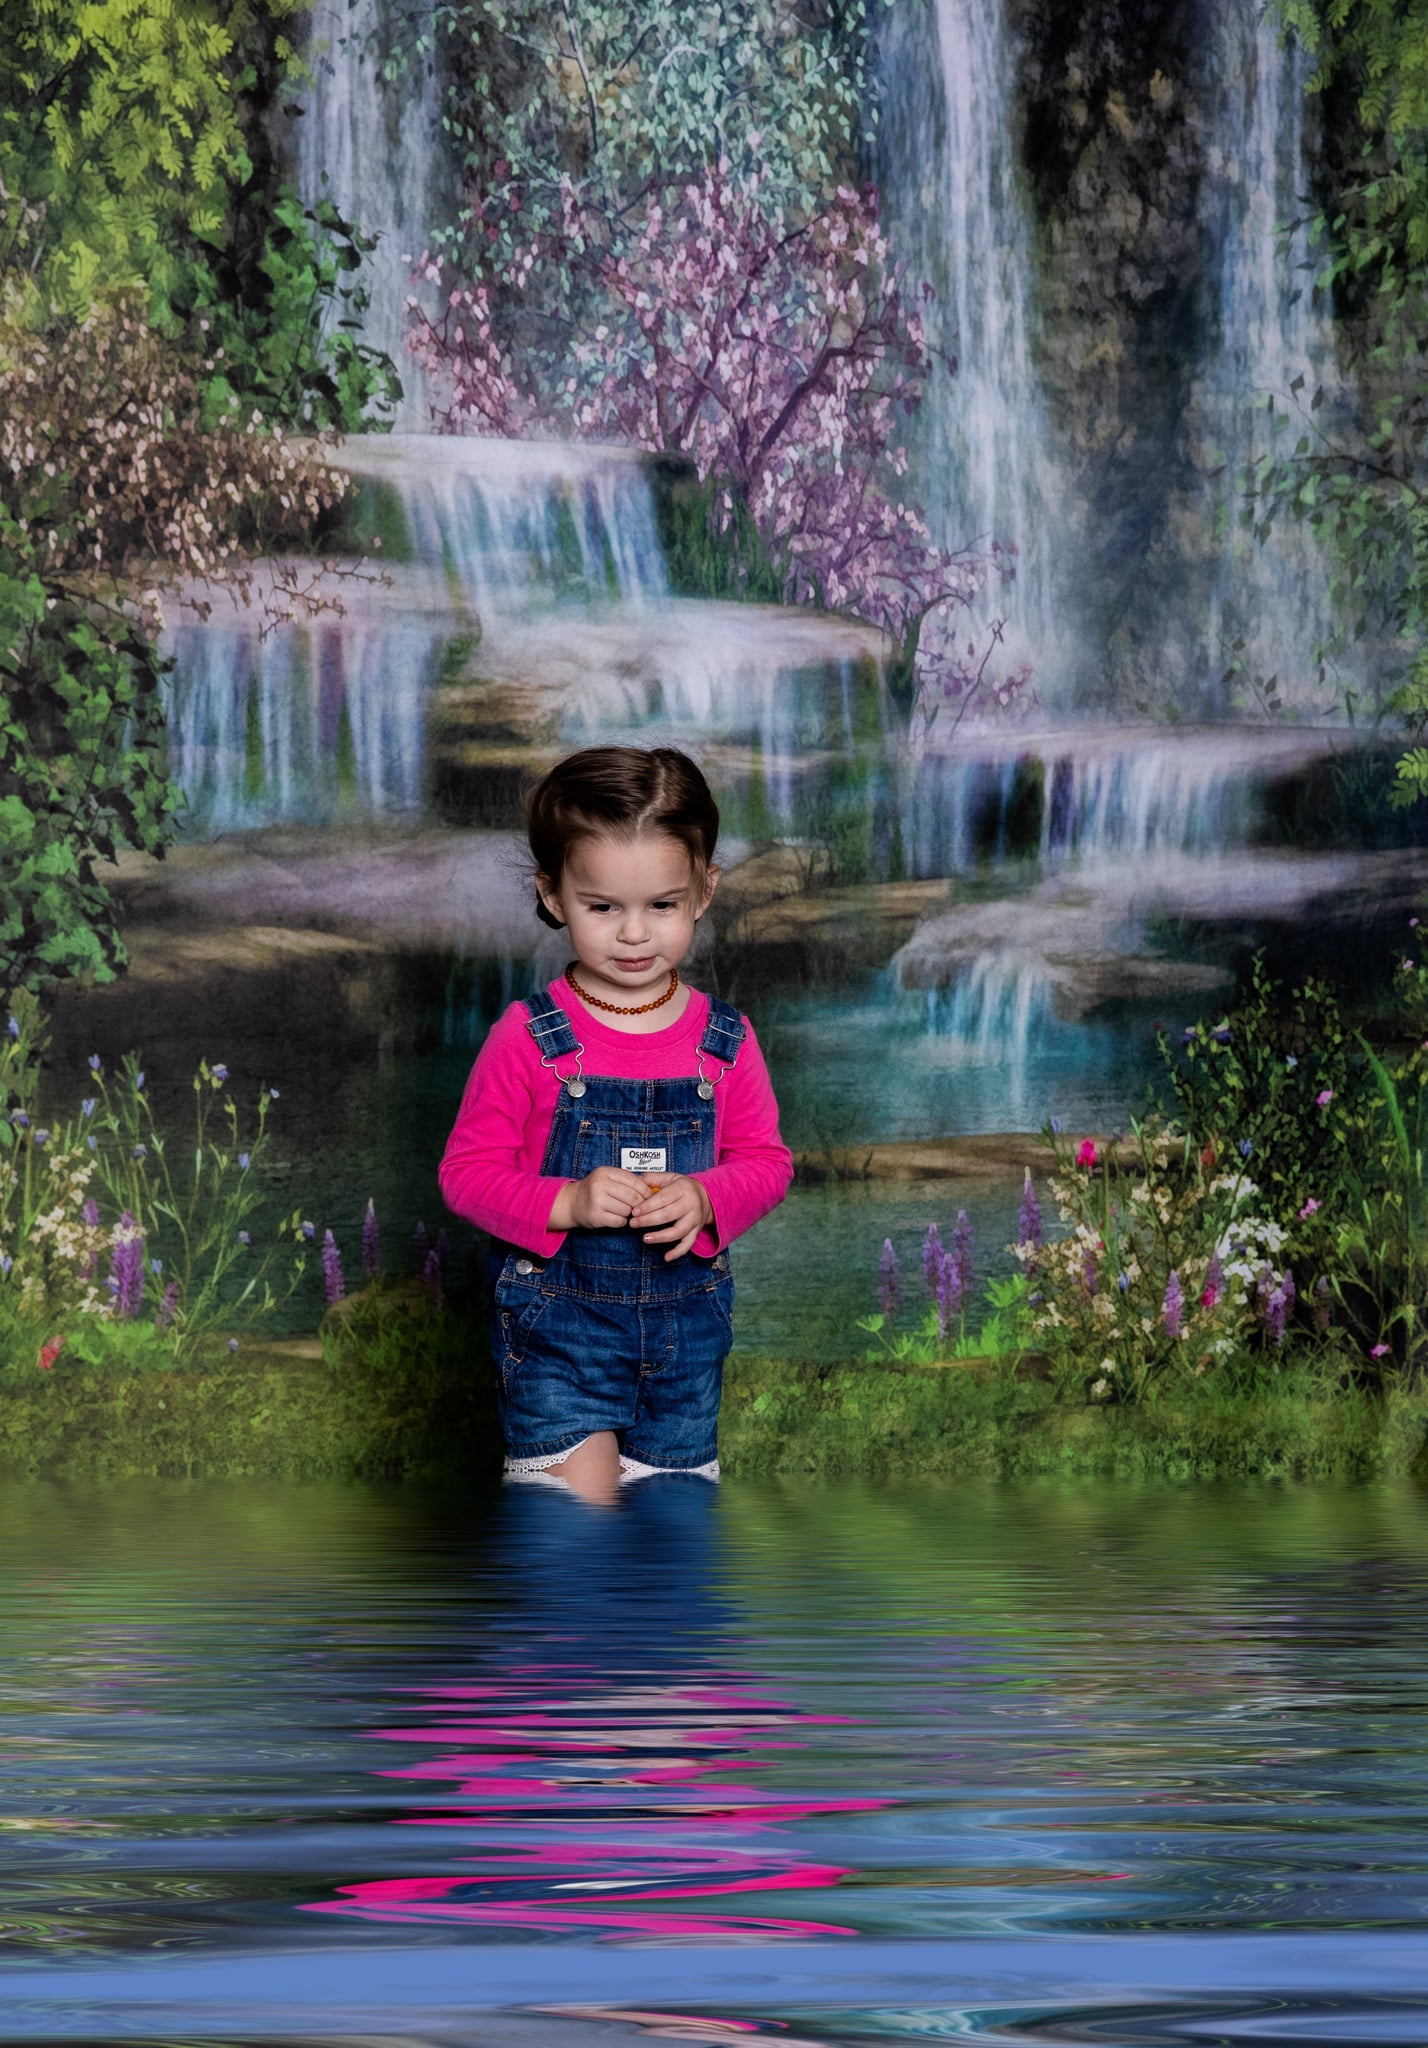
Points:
[(405, 1395), (412, 1400), (891, 1421)]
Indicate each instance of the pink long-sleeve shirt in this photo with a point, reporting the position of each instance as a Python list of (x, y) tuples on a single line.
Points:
[(490, 1173)]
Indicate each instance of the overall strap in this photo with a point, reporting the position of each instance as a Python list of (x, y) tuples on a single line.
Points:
[(724, 1033), (549, 1026)]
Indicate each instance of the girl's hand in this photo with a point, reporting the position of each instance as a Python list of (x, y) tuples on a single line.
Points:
[(604, 1200), (672, 1207)]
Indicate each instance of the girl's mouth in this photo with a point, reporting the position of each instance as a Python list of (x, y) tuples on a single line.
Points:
[(633, 966)]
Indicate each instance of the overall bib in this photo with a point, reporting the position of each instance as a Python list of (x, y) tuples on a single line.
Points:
[(606, 1334)]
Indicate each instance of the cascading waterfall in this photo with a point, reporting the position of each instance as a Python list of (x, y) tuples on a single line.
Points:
[(957, 210), (1273, 334), (518, 525), (1059, 799), (309, 724), (374, 151)]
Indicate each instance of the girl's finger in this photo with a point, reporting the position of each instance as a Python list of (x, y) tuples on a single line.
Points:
[(681, 1248)]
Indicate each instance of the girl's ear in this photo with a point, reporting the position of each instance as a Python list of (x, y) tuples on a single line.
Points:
[(711, 883), (548, 904)]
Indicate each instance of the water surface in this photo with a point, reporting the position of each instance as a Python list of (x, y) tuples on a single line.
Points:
[(916, 1764)]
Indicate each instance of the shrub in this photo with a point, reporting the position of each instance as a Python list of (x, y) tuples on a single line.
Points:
[(1168, 1270)]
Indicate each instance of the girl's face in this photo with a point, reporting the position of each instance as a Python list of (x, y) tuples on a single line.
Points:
[(630, 907)]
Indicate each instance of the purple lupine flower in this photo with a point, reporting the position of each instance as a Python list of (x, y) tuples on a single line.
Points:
[(442, 1248), (1214, 1281), (89, 1217), (371, 1242), (1290, 1291), (431, 1278), (932, 1257), (126, 1267), (332, 1283), (1089, 1277), (168, 1307), (1174, 1306), (950, 1294), (1323, 1303), (1263, 1288), (889, 1281), (1276, 1312), (962, 1251), (421, 1245), (1028, 1227)]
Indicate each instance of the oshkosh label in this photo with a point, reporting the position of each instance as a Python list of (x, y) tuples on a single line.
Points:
[(642, 1158)]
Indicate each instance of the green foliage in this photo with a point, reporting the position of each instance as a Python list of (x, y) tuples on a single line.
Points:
[(1343, 1178), (177, 1208), (1379, 1276), (1248, 1084), (705, 559), (120, 130), (1351, 463), (628, 98), (280, 300), (1154, 1283), (81, 770), (1001, 1333)]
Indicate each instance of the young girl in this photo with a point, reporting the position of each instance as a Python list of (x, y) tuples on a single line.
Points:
[(617, 1133)]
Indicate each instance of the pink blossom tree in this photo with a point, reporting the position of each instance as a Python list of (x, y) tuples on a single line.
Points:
[(782, 359)]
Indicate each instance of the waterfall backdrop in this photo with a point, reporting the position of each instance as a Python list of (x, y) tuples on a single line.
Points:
[(961, 894)]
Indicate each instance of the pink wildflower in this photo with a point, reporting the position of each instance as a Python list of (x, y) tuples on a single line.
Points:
[(1311, 1207), (1086, 1152), (1323, 1098)]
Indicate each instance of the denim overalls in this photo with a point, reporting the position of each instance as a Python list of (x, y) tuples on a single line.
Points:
[(606, 1334)]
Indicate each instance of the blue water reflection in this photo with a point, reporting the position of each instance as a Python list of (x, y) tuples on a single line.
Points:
[(918, 1764)]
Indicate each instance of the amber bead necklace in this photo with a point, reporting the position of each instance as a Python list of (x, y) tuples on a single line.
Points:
[(622, 1009)]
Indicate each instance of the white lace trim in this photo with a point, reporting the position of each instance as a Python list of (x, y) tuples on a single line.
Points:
[(538, 1467), (632, 1468)]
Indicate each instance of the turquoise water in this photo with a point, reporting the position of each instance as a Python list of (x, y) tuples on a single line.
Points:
[(837, 1767)]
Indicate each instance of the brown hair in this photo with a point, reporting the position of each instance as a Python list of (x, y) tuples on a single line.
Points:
[(619, 793)]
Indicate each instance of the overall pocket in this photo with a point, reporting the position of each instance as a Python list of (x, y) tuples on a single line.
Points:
[(520, 1302)]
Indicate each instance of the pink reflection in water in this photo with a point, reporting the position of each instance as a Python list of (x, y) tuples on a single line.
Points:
[(602, 1808)]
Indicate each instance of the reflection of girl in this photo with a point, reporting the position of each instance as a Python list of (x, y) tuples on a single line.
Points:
[(617, 1132), (593, 1771)]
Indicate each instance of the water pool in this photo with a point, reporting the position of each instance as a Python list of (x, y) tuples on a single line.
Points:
[(838, 1767)]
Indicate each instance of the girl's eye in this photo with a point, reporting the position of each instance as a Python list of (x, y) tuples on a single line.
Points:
[(662, 905)]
